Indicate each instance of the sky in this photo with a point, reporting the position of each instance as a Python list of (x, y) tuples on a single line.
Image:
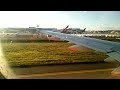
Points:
[(92, 20)]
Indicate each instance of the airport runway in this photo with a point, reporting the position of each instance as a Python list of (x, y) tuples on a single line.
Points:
[(71, 71)]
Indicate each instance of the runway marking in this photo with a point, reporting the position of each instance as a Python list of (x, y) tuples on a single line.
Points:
[(62, 73)]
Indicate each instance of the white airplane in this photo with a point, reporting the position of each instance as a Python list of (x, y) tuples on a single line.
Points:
[(112, 49), (73, 30)]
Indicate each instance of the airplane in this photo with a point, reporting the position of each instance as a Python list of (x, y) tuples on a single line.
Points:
[(112, 49), (65, 29), (73, 30), (69, 31)]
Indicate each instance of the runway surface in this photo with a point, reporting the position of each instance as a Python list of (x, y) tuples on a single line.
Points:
[(71, 71)]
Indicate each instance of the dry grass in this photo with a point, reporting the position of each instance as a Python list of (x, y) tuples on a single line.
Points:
[(46, 53)]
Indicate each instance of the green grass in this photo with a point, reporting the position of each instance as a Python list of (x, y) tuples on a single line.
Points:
[(46, 53)]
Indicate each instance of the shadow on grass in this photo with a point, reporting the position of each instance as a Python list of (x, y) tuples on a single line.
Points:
[(53, 64)]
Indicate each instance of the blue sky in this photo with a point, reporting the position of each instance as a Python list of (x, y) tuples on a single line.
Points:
[(92, 20)]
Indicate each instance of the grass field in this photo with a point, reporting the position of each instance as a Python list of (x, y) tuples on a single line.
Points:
[(47, 53)]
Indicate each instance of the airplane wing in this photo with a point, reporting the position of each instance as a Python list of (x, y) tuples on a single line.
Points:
[(112, 49)]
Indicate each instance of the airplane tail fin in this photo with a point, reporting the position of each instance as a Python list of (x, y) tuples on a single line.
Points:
[(84, 29), (65, 29)]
